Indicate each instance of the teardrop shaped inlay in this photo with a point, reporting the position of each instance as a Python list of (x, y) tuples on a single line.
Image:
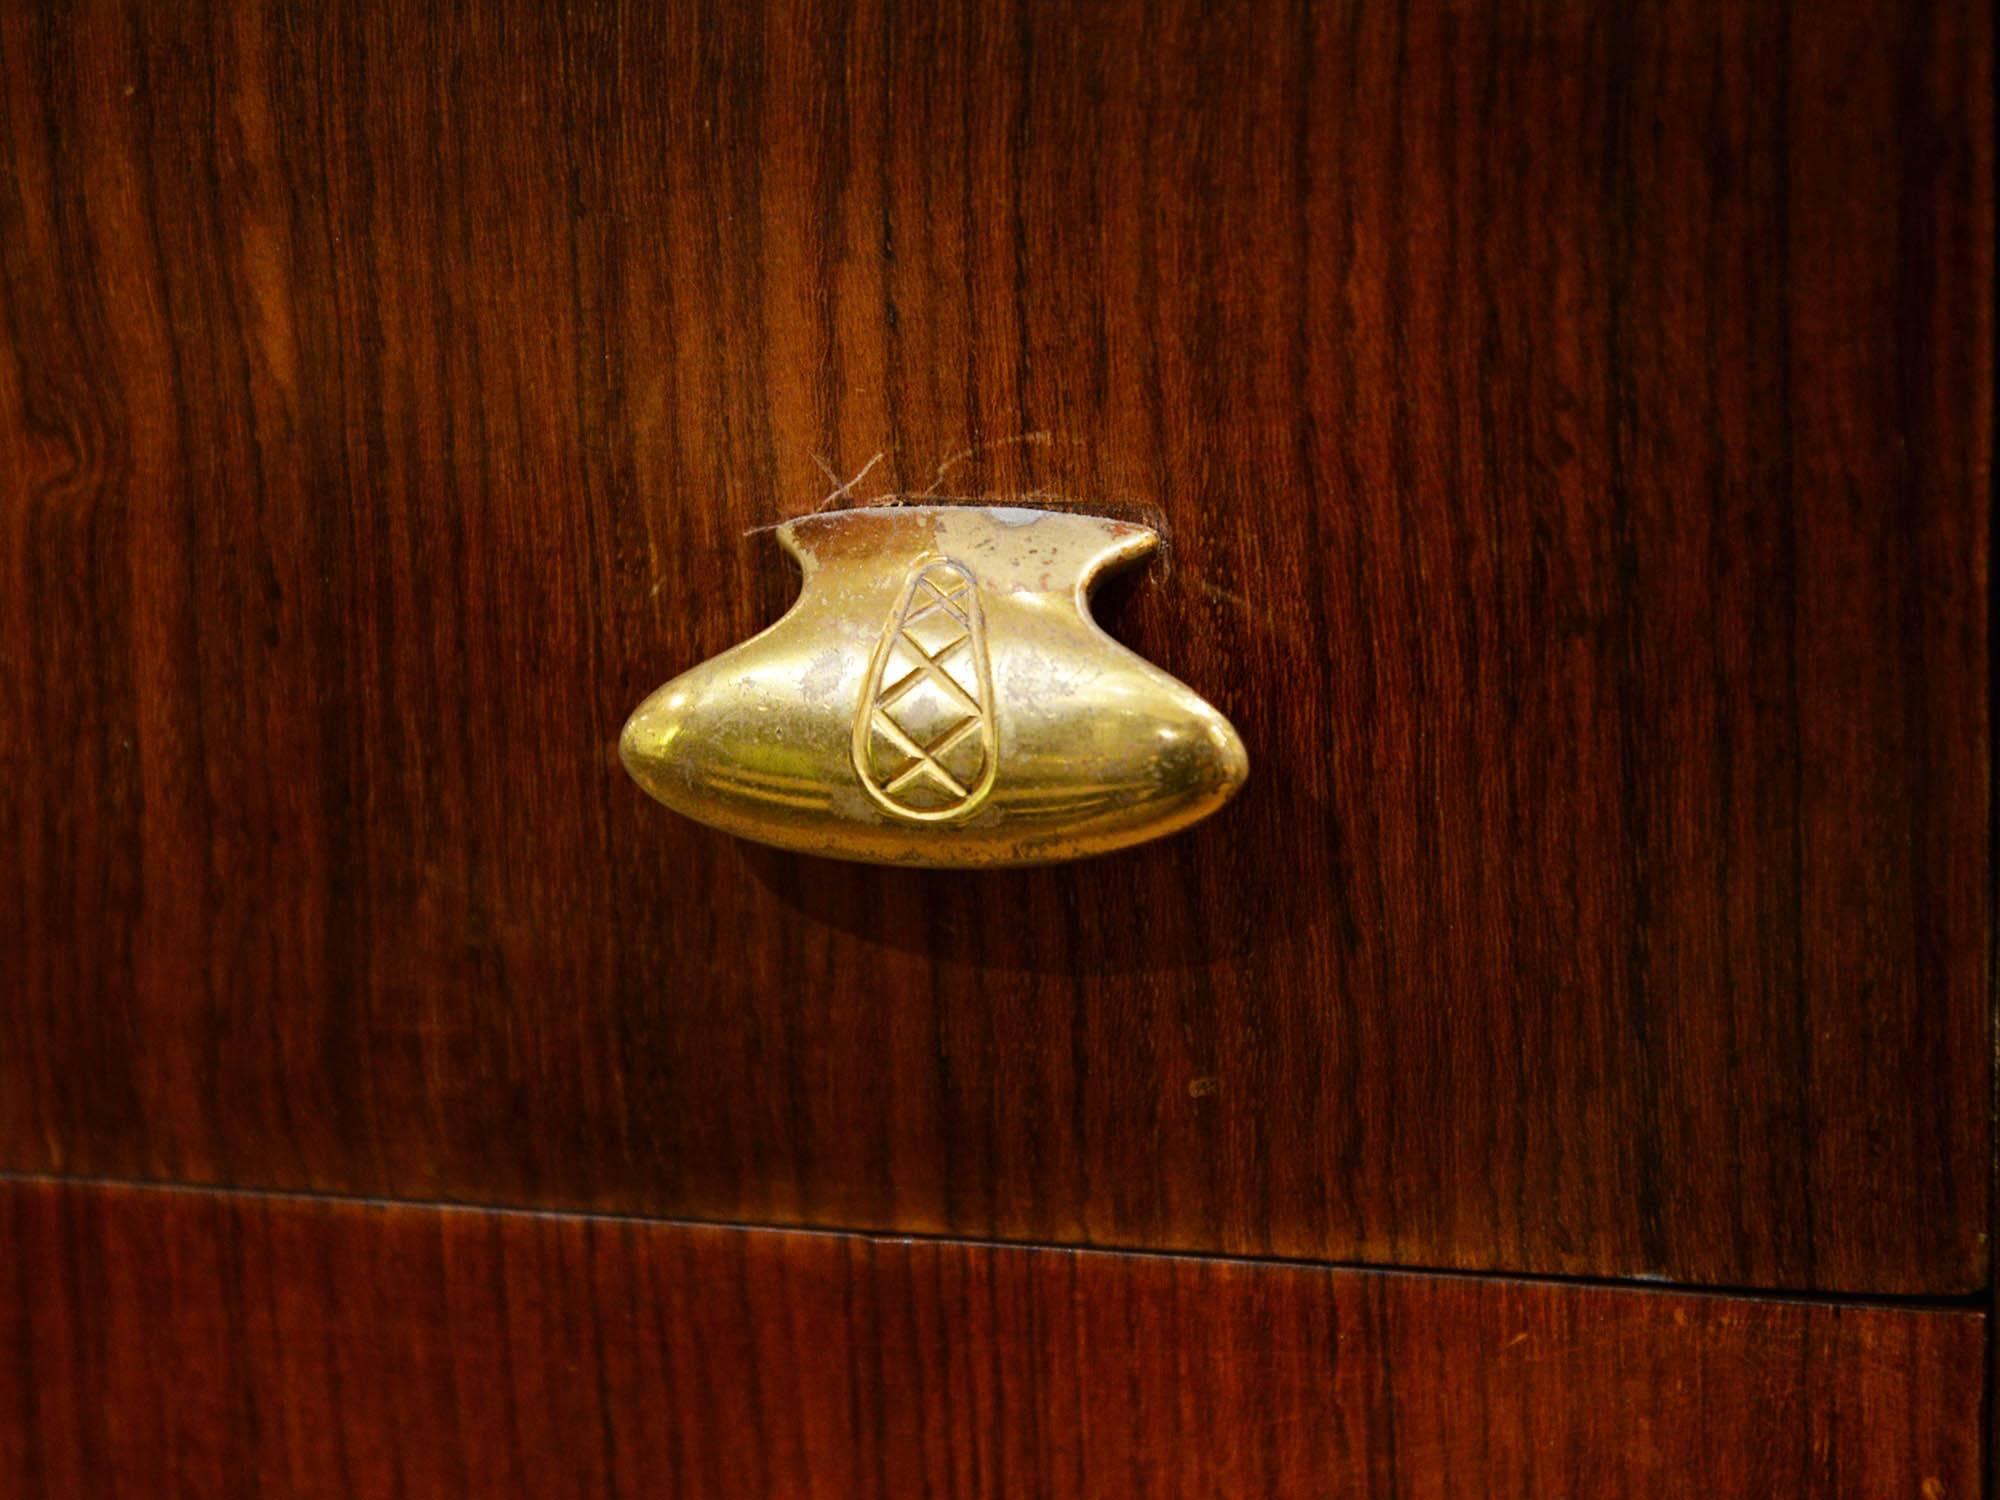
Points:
[(925, 734)]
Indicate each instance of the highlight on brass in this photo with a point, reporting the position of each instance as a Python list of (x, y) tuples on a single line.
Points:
[(939, 695)]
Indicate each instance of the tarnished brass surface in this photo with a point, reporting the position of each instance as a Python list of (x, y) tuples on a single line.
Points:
[(939, 695)]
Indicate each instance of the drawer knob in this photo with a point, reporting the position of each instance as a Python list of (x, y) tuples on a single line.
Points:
[(939, 695)]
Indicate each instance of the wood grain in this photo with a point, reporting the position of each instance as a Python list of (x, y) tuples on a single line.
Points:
[(1572, 429), (182, 1344)]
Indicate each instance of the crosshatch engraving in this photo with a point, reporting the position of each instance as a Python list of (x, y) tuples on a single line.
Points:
[(925, 745)]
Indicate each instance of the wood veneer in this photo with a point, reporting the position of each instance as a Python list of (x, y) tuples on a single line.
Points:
[(165, 1344), (1571, 425)]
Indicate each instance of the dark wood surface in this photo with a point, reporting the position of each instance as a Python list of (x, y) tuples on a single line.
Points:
[(1571, 425), (177, 1344)]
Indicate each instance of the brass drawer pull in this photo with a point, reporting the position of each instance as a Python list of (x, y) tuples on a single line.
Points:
[(939, 695)]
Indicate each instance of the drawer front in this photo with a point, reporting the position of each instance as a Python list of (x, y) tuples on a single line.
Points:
[(331, 1349), (1570, 432)]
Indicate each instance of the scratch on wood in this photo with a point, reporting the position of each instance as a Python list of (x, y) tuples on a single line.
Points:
[(963, 455), (1235, 601), (839, 490), (873, 502)]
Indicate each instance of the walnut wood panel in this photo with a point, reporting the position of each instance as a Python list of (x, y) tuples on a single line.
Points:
[(1571, 427), (162, 1343)]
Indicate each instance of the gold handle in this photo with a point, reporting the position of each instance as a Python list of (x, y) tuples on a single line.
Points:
[(939, 695)]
